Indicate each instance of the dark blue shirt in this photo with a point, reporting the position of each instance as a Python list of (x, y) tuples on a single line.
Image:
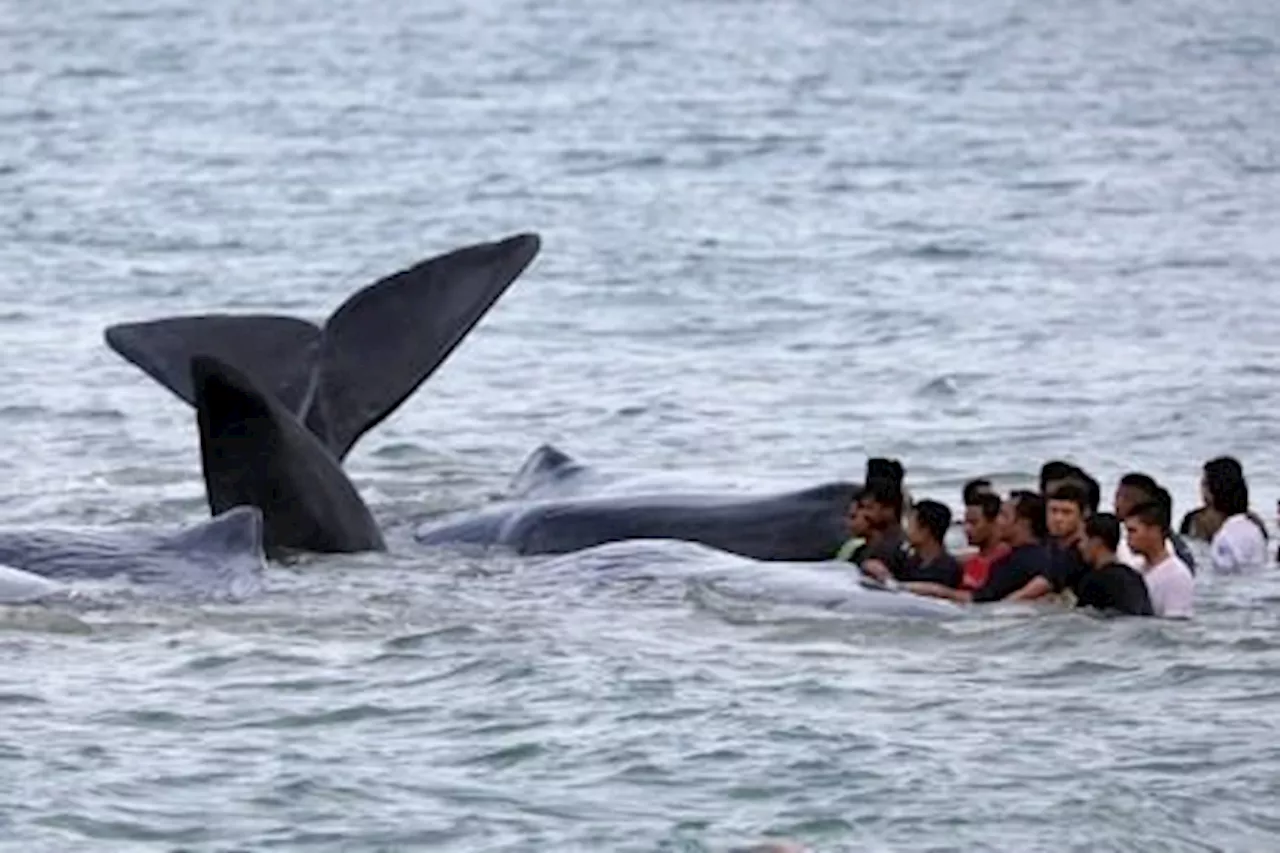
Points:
[(1115, 587), (1013, 571)]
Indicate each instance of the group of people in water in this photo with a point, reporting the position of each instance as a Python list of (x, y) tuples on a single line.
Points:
[(1055, 542)]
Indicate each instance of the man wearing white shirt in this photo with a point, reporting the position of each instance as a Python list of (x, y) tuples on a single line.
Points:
[(1169, 581), (1133, 490)]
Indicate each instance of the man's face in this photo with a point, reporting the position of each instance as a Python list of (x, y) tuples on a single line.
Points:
[(1091, 549), (1064, 519), (859, 521), (1143, 538), (1127, 497), (978, 529)]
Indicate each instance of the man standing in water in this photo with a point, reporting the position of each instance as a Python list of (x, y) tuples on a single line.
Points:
[(1067, 509), (1169, 581), (1133, 490), (981, 511), (1110, 585)]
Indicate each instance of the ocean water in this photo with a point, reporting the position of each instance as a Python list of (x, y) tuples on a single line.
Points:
[(778, 237)]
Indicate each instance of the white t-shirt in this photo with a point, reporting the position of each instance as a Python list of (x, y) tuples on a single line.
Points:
[(1125, 554), (1171, 588), (1238, 546)]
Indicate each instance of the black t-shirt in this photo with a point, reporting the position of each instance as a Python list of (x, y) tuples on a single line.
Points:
[(1067, 569), (943, 569), (1013, 571), (891, 549), (1115, 587)]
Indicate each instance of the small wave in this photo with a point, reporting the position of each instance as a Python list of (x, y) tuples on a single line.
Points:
[(350, 714)]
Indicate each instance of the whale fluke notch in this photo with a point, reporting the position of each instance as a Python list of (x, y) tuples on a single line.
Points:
[(256, 453), (383, 342), (278, 352)]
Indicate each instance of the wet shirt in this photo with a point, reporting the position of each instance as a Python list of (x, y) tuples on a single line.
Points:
[(1067, 569), (1115, 587), (943, 569), (978, 566), (1172, 588), (891, 549), (1238, 546), (1014, 571)]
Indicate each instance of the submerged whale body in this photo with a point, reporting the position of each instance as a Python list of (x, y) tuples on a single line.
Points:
[(222, 557), (554, 516), (19, 587), (280, 402), (833, 587)]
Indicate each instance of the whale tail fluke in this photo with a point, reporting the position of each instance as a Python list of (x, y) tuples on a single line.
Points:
[(256, 453)]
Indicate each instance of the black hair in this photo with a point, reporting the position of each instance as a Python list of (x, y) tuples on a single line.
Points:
[(1092, 490), (1157, 512), (1190, 521), (1074, 492), (1030, 506), (1104, 527), (988, 503), (885, 492), (880, 468), (974, 488), (934, 517), (1055, 470), (1144, 483), (1228, 491)]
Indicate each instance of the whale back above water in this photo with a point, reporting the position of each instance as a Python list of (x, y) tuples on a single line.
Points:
[(799, 525), (221, 557)]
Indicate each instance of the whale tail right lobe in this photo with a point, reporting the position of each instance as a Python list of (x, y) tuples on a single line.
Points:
[(389, 337), (254, 452)]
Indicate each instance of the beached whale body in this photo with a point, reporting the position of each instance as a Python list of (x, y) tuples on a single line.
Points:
[(221, 558), (19, 587), (281, 401), (833, 587), (561, 506)]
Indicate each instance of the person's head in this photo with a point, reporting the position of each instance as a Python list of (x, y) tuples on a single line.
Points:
[(1147, 525), (1101, 539), (882, 502), (973, 488), (1067, 508), (1053, 473), (980, 513), (858, 520), (928, 524), (1224, 488), (1134, 489), (1022, 519), (880, 468)]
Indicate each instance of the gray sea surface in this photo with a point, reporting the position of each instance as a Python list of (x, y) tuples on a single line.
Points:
[(778, 237)]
